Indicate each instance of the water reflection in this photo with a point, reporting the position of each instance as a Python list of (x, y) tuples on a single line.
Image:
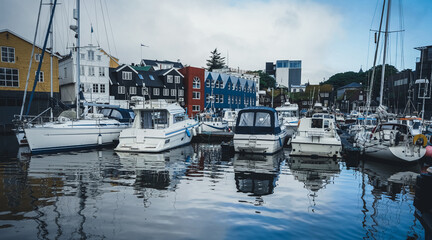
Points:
[(160, 171), (257, 174), (191, 191), (314, 173), (390, 183)]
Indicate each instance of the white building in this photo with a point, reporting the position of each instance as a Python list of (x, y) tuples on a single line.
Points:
[(94, 75), (288, 73), (298, 88)]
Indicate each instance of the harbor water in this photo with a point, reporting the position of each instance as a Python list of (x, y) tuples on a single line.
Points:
[(200, 192)]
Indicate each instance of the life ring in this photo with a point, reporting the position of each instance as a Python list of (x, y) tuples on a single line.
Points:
[(420, 140)]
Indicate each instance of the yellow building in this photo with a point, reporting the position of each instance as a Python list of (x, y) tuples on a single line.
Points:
[(14, 63)]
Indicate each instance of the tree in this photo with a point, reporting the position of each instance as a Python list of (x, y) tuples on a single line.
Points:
[(215, 61), (266, 81)]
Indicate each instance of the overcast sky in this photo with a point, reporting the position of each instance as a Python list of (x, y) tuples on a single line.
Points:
[(328, 36)]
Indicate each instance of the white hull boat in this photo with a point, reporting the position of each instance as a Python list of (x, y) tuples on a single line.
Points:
[(392, 142), (289, 114), (68, 135), (258, 131), (156, 128), (316, 136)]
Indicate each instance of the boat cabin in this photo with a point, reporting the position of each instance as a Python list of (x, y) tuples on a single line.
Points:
[(257, 120), (159, 118), (321, 121)]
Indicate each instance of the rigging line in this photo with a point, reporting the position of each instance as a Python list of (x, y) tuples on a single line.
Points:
[(31, 60), (401, 25), (106, 33), (112, 33), (97, 24)]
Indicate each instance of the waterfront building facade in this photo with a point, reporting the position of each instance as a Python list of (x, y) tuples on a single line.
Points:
[(14, 63), (127, 82), (94, 75), (223, 91), (194, 89)]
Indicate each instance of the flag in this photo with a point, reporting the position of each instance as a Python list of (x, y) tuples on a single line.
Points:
[(91, 28)]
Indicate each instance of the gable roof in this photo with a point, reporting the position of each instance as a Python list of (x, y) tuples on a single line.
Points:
[(124, 66), (143, 68), (26, 40)]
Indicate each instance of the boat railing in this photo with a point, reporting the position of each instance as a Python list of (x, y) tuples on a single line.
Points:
[(32, 119)]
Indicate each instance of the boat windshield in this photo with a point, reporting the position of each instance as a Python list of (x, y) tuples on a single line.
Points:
[(247, 119), (150, 119), (262, 119), (416, 125), (317, 123), (287, 114)]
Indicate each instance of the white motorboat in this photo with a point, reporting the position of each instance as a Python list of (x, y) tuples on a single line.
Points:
[(158, 126), (392, 141), (67, 134), (230, 116), (211, 123), (289, 114), (258, 131), (316, 136)]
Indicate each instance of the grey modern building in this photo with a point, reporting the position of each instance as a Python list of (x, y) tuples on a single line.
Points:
[(287, 72)]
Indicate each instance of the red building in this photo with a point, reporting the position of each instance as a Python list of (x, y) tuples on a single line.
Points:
[(194, 81)]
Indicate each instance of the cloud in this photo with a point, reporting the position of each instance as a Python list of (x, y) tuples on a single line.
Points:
[(251, 32)]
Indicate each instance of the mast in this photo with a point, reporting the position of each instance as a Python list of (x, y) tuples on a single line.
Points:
[(51, 63), (384, 53), (77, 87), (369, 95)]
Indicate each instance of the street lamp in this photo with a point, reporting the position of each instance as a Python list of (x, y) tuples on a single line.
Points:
[(272, 97)]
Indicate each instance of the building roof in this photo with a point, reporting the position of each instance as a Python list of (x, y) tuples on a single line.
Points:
[(149, 62), (28, 41), (352, 85), (143, 68)]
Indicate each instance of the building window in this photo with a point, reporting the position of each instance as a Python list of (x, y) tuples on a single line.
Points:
[(101, 72), (169, 79), (207, 83), (173, 92), (82, 71), (166, 92), (91, 71), (99, 57), (8, 54), (95, 88), (207, 97), (38, 57), (82, 56), (195, 108), (102, 88), (132, 90), (216, 98), (65, 72), (196, 95), (127, 75), (177, 79), (156, 91), (90, 55), (196, 83), (9, 77), (221, 98), (41, 76), (229, 100), (181, 92), (121, 90)]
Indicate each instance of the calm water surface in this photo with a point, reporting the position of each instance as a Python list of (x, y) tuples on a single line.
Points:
[(196, 192)]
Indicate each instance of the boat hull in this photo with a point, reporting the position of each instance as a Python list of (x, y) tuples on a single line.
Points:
[(315, 149), (214, 126), (156, 140), (395, 153), (50, 139), (260, 143)]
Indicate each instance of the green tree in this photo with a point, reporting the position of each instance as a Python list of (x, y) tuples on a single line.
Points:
[(266, 81), (215, 61)]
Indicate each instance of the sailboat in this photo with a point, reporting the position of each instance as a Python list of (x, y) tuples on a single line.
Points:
[(389, 141), (210, 122), (72, 130)]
